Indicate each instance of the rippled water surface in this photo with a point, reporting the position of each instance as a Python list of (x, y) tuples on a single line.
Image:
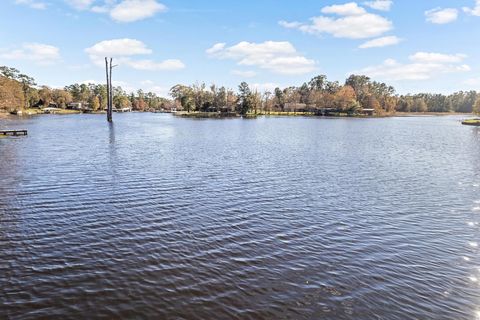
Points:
[(274, 218)]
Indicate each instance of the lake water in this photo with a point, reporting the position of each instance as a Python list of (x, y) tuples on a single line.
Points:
[(274, 218)]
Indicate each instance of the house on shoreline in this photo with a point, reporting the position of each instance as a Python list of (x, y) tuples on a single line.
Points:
[(41, 105), (77, 106), (368, 112)]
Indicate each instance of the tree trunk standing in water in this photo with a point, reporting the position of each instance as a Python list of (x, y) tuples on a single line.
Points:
[(110, 109), (109, 97), (108, 69)]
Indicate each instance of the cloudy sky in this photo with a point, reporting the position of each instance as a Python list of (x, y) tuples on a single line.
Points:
[(415, 45)]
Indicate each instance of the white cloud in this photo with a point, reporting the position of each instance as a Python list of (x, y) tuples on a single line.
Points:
[(422, 66), (348, 9), (80, 4), (217, 48), (382, 5), (120, 11), (277, 57), (32, 4), (290, 25), (475, 11), (250, 51), (441, 16), (119, 47), (123, 49), (244, 73), (429, 57), (150, 86), (353, 22), (42, 54), (134, 10), (381, 42)]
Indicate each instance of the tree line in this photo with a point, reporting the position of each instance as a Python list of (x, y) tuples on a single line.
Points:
[(19, 91), (358, 93)]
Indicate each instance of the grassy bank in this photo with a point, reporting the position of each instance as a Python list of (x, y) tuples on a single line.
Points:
[(206, 115), (58, 111), (32, 112), (219, 115), (185, 114), (281, 113), (429, 114)]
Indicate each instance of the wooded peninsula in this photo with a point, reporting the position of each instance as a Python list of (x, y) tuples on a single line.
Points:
[(359, 95)]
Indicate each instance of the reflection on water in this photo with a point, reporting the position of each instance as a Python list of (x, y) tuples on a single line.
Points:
[(111, 127), (275, 218)]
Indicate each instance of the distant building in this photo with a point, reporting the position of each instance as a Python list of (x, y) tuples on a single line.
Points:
[(326, 112), (77, 106), (40, 103), (368, 112), (126, 109), (51, 110)]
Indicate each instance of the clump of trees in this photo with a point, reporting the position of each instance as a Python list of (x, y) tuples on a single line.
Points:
[(463, 101), (95, 97), (19, 91), (198, 97), (357, 93), (15, 88)]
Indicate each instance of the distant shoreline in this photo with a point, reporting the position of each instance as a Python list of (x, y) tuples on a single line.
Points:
[(214, 115), (430, 114), (217, 115)]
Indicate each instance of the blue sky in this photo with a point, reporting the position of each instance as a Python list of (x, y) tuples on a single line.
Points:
[(416, 46)]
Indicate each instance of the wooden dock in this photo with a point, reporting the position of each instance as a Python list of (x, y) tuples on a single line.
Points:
[(13, 133)]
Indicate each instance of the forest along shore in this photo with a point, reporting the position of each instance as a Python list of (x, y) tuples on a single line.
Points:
[(357, 96), (220, 115), (217, 115)]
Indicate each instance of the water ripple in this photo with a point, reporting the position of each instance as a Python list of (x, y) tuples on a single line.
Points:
[(278, 218)]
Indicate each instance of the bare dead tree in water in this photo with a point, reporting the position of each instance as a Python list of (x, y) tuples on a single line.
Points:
[(108, 69)]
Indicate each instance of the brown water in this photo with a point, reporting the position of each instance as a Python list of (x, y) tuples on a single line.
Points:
[(274, 218)]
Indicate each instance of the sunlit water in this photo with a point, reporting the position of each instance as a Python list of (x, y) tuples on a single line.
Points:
[(274, 218)]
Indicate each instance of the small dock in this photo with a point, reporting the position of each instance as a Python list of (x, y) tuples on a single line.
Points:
[(13, 133)]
